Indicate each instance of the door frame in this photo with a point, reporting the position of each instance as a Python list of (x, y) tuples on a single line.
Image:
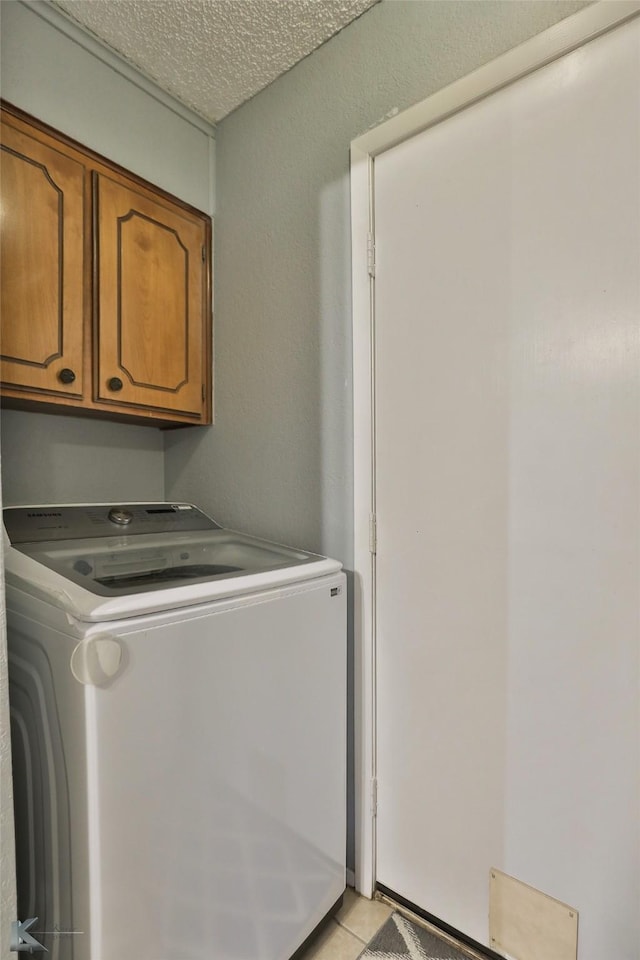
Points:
[(550, 45)]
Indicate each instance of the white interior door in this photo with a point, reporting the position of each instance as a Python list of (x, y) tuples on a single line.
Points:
[(507, 425)]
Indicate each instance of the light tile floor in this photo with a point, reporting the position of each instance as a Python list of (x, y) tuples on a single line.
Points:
[(353, 927)]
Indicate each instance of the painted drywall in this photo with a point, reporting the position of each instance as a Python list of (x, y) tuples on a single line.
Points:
[(51, 69), (278, 461), (55, 459), (47, 71)]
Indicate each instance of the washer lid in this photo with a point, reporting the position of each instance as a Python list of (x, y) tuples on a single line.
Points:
[(120, 566), (123, 568)]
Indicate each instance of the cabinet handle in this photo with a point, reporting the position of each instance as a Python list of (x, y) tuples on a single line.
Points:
[(115, 383), (66, 375)]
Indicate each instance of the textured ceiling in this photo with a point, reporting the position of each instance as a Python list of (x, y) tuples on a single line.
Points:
[(213, 54)]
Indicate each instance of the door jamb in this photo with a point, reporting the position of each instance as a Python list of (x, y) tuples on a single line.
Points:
[(550, 45)]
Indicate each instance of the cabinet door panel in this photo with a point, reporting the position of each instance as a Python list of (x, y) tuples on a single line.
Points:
[(151, 305), (41, 250)]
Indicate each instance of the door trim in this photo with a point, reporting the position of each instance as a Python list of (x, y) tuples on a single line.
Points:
[(529, 56)]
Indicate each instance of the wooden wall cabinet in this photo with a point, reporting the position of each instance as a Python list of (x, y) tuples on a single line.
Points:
[(105, 286), (42, 262)]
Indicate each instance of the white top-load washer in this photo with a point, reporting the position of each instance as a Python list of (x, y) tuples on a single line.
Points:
[(178, 702)]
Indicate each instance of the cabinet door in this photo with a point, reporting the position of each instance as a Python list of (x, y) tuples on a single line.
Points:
[(151, 315), (41, 250)]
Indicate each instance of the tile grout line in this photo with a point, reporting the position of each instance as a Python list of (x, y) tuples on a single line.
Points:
[(353, 934)]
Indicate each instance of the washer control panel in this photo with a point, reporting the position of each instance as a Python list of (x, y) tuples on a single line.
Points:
[(38, 524)]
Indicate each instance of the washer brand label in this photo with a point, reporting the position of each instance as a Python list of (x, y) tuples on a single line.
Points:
[(41, 513)]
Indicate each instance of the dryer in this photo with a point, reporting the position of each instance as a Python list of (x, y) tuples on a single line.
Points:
[(178, 703)]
